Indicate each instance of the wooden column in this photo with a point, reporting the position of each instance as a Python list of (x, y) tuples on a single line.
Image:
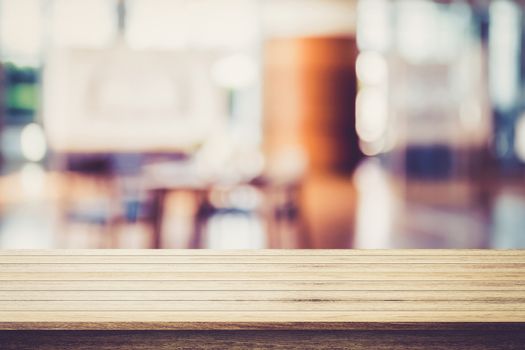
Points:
[(309, 106)]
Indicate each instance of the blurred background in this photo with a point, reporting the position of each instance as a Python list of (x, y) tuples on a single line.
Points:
[(262, 124)]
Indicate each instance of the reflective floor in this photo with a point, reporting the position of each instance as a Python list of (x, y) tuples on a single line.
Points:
[(37, 212)]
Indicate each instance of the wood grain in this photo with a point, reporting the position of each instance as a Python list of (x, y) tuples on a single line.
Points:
[(265, 299), (272, 289)]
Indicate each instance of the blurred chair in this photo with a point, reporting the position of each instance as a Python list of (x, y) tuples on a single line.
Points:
[(89, 195)]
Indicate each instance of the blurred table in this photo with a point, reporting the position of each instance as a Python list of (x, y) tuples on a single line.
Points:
[(278, 203)]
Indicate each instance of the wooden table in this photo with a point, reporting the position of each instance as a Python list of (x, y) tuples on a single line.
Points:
[(322, 299)]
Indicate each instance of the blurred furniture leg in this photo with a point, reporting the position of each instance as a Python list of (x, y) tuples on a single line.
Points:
[(200, 223), (159, 198)]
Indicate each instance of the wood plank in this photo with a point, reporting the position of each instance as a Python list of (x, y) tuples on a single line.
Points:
[(340, 268), (236, 285), (504, 296), (509, 305), (239, 319), (257, 276)]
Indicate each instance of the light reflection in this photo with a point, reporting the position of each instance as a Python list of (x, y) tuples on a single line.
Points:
[(373, 22), (32, 178), (519, 139), (371, 113), (230, 231), (371, 68), (504, 52), (33, 142), (375, 207)]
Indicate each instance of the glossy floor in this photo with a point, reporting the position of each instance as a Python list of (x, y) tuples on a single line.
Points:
[(380, 213)]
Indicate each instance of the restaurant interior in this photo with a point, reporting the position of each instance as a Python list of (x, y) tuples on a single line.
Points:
[(251, 124)]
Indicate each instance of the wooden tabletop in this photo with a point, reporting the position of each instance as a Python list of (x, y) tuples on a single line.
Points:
[(263, 289)]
